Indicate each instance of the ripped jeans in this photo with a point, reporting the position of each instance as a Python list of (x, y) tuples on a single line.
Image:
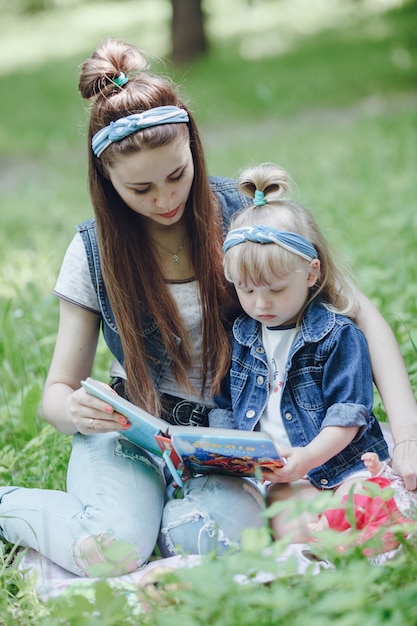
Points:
[(118, 492)]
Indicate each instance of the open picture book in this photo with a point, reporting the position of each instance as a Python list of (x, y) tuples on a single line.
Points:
[(192, 450)]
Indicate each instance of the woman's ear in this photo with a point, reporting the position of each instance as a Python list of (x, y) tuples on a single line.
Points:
[(314, 273)]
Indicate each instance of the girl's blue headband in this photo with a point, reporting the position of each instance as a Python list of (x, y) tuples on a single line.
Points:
[(267, 234), (118, 130)]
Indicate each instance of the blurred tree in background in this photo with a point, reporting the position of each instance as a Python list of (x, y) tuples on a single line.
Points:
[(188, 36)]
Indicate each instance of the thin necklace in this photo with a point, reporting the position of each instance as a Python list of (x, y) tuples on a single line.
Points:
[(175, 255)]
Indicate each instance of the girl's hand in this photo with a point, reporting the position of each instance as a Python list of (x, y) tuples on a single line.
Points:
[(296, 467), (91, 415)]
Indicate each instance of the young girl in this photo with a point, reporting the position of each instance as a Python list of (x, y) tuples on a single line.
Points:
[(148, 272), (300, 365)]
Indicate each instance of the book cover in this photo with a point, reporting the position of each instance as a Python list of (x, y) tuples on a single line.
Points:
[(191, 450), (144, 426), (225, 451)]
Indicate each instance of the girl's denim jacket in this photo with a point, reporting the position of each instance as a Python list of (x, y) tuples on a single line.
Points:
[(158, 361), (328, 382)]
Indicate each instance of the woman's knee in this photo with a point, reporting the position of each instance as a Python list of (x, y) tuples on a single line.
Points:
[(119, 529), (210, 515)]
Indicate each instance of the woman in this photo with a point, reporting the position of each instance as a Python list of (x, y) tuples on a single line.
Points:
[(149, 271)]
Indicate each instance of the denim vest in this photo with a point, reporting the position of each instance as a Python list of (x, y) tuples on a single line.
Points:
[(327, 382), (158, 361)]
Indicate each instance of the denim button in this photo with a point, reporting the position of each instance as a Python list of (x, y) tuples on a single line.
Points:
[(324, 481), (260, 350), (288, 416), (260, 380), (251, 413)]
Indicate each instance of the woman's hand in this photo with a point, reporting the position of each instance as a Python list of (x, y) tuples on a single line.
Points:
[(404, 461), (91, 415), (65, 404)]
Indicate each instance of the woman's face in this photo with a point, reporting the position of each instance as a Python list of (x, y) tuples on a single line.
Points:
[(156, 183)]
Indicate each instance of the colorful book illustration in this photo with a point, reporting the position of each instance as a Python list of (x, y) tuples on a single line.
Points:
[(191, 450), (224, 451)]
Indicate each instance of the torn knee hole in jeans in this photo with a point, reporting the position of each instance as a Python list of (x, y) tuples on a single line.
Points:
[(120, 556), (209, 528)]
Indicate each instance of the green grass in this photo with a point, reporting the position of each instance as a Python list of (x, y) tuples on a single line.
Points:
[(334, 103)]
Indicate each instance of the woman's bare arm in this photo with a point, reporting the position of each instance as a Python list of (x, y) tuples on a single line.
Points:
[(392, 381), (65, 403)]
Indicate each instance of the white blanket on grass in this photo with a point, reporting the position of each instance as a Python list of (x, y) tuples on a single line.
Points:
[(50, 580)]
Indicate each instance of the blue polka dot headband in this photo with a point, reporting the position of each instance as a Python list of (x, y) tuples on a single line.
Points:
[(267, 234), (121, 128)]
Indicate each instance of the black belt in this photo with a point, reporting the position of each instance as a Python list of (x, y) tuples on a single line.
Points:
[(174, 410), (183, 412)]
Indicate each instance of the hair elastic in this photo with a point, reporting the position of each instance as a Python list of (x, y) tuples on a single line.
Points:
[(121, 80), (259, 198), (121, 128), (268, 234)]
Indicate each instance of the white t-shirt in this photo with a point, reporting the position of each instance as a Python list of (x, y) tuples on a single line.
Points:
[(277, 343), (74, 285), (74, 281)]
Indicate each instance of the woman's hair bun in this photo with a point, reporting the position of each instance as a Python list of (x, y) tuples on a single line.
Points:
[(111, 58)]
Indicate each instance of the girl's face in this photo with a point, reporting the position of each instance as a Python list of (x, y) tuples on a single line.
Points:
[(156, 183), (279, 302)]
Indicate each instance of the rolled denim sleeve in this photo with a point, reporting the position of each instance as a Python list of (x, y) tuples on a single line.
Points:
[(347, 414), (347, 381)]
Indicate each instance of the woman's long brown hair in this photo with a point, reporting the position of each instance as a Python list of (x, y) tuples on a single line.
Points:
[(132, 275)]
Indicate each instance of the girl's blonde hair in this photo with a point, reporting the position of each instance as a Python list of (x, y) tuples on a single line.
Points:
[(260, 264), (134, 281)]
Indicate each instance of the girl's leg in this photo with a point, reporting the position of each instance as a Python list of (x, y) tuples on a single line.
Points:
[(210, 515), (115, 492), (293, 521)]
